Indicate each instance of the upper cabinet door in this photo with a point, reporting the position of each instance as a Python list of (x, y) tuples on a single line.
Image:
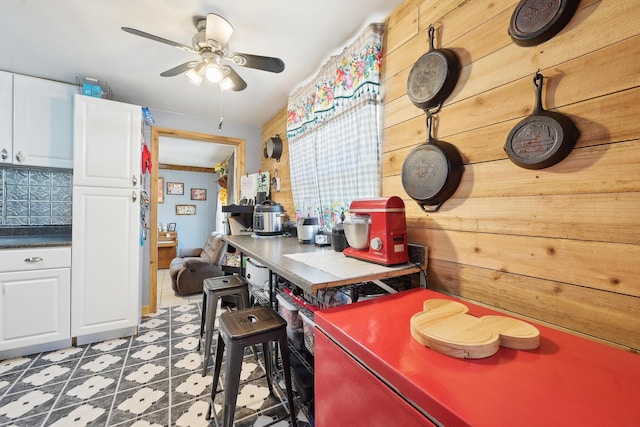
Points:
[(42, 122), (6, 117), (107, 143)]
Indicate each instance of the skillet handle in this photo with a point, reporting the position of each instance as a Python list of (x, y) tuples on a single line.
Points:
[(537, 83), (432, 31), (429, 208)]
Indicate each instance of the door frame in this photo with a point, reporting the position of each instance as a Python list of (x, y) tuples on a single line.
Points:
[(156, 133)]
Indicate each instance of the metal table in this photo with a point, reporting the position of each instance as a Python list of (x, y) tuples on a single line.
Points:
[(272, 253)]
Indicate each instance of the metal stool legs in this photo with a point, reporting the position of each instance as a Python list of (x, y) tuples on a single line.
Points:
[(235, 337), (213, 290), (203, 314)]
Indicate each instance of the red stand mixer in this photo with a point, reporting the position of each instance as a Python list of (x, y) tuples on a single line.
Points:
[(377, 231)]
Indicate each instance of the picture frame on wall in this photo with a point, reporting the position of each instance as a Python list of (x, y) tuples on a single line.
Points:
[(175, 188), (198, 194), (185, 209), (160, 190), (172, 226)]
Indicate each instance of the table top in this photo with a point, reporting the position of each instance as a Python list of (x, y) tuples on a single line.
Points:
[(567, 381), (283, 256)]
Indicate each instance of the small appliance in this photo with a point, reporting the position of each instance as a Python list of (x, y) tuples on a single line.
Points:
[(323, 238), (307, 229), (267, 219), (378, 231)]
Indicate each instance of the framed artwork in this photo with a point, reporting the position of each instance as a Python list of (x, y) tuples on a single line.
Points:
[(175, 188), (172, 226), (160, 190), (198, 194), (185, 209)]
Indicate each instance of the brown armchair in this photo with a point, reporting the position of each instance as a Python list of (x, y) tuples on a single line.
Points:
[(193, 265)]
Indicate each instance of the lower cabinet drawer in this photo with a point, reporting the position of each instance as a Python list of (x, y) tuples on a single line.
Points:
[(29, 259)]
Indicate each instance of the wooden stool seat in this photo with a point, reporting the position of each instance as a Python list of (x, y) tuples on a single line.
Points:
[(251, 323)]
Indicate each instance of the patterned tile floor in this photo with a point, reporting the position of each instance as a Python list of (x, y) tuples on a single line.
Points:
[(152, 379)]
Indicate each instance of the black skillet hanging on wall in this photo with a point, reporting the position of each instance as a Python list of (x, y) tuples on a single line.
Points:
[(433, 77), (431, 173), (273, 148), (542, 139), (536, 21)]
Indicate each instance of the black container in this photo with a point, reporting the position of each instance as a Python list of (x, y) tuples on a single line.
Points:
[(302, 379), (338, 239)]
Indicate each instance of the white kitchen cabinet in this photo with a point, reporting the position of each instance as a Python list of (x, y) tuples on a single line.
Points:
[(107, 138), (105, 260), (105, 290), (6, 117), (35, 300), (42, 122)]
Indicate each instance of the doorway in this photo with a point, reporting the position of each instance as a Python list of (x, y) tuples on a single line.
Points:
[(156, 133)]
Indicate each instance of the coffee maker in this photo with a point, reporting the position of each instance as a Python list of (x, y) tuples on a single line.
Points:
[(386, 242)]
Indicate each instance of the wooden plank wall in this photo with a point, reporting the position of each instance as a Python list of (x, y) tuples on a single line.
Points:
[(278, 126), (559, 245)]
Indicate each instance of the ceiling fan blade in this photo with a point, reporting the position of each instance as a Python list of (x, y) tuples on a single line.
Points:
[(158, 39), (266, 63), (238, 83), (182, 68)]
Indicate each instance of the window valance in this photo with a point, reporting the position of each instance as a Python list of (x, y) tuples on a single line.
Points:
[(345, 79)]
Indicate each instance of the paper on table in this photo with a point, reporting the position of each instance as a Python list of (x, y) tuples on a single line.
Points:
[(339, 265)]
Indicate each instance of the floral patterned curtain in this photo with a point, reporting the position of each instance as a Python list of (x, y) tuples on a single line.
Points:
[(334, 131)]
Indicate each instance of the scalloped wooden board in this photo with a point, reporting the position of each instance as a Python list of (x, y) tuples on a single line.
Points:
[(445, 326)]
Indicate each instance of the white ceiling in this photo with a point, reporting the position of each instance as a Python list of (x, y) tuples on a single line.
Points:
[(178, 151), (62, 39)]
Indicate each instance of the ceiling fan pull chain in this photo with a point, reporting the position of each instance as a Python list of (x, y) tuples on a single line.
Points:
[(221, 120)]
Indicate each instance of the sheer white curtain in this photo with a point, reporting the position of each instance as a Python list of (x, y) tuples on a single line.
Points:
[(334, 132)]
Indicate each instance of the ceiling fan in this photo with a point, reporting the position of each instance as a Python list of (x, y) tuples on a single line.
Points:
[(210, 42)]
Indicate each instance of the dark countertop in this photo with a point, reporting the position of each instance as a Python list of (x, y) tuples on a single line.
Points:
[(17, 242), (34, 237)]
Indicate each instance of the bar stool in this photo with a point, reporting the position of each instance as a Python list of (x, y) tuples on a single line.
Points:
[(244, 328), (212, 290)]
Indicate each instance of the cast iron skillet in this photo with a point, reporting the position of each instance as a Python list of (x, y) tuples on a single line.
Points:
[(273, 148), (433, 77), (432, 172), (542, 139), (536, 21)]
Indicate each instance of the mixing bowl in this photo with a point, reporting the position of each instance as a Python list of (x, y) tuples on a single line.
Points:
[(357, 232)]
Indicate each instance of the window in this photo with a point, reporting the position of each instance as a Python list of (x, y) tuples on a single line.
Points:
[(334, 132)]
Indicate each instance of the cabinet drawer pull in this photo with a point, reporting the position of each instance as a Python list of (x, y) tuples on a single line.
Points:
[(33, 259), (20, 157)]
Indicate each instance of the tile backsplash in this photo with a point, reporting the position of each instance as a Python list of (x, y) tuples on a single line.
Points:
[(35, 196)]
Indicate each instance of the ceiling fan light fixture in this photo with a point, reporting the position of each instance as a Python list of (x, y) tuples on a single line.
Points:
[(218, 31), (213, 73), (195, 74), (226, 84)]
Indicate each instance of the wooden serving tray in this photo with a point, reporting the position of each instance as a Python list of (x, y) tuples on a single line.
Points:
[(445, 326)]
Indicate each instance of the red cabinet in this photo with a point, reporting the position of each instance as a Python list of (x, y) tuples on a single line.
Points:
[(348, 395), (376, 368)]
